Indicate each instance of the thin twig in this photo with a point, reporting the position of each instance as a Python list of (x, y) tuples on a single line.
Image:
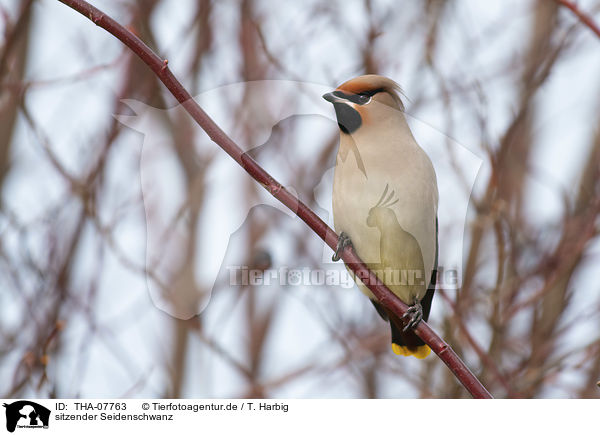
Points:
[(583, 17), (381, 292)]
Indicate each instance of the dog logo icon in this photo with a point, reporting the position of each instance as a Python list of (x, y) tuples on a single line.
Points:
[(26, 414)]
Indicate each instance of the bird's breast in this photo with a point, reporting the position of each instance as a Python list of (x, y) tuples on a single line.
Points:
[(399, 179)]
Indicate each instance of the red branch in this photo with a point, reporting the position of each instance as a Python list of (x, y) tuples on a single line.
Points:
[(585, 19), (383, 294)]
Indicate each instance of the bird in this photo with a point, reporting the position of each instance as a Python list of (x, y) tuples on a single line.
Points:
[(385, 201)]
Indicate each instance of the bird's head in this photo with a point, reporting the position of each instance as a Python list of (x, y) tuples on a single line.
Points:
[(365, 100)]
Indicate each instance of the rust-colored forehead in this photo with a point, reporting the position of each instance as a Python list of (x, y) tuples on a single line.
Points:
[(356, 86), (368, 83), (373, 84)]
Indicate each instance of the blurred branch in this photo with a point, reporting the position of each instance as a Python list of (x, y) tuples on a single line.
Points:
[(383, 294), (13, 62), (485, 358), (583, 17)]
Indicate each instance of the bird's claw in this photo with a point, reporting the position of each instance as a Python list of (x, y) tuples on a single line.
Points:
[(343, 241), (414, 314)]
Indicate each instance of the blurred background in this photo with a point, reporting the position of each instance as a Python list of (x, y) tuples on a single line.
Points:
[(125, 233)]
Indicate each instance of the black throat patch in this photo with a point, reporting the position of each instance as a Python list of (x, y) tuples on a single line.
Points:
[(348, 119)]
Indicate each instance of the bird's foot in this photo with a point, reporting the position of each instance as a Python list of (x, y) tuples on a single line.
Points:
[(343, 241), (414, 314)]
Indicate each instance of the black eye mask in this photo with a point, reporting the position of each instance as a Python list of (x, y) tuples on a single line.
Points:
[(361, 98)]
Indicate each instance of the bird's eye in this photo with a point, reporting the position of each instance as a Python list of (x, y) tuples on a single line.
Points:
[(363, 98)]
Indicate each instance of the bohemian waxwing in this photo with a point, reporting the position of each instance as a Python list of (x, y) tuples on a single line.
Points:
[(385, 201)]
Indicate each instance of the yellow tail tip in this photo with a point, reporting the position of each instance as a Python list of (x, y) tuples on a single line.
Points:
[(420, 352)]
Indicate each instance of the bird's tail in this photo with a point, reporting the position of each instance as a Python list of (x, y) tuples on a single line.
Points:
[(407, 343)]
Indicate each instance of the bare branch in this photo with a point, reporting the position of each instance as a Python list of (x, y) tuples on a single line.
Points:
[(583, 17)]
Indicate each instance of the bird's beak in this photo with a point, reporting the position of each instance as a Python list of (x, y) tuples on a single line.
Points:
[(332, 98)]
